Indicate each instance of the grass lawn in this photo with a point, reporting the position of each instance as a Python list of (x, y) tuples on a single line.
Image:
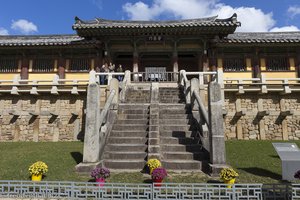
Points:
[(255, 161)]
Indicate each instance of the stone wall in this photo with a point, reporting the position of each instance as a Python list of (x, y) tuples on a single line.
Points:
[(269, 116), (42, 117)]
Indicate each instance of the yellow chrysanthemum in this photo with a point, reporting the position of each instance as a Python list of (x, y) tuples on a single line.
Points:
[(37, 168), (228, 174)]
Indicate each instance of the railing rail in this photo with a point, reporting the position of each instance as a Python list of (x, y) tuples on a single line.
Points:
[(154, 77), (54, 86)]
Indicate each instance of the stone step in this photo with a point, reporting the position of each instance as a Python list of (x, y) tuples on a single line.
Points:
[(173, 106), (129, 111), (176, 127), (127, 140), (125, 155), (181, 148), (131, 164), (173, 111), (126, 147), (137, 127), (174, 116), (184, 140), (132, 121), (183, 156), (128, 133), (182, 164), (178, 134), (182, 121), (133, 116), (172, 101), (132, 106)]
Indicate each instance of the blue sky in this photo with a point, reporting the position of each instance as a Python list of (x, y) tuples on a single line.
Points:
[(31, 17)]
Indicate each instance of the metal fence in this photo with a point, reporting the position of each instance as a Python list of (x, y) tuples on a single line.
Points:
[(80, 190)]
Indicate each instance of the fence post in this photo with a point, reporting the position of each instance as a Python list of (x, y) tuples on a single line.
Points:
[(217, 142)]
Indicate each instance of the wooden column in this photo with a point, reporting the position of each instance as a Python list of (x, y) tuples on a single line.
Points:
[(24, 68), (61, 68), (135, 62), (297, 64), (255, 64), (201, 58), (175, 65), (98, 62)]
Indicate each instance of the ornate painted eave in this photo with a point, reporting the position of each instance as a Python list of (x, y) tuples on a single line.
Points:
[(43, 40), (262, 38), (206, 25)]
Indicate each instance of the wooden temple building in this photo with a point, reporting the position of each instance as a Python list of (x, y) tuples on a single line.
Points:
[(203, 44)]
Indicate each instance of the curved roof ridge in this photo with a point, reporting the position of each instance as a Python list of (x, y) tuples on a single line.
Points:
[(99, 23)]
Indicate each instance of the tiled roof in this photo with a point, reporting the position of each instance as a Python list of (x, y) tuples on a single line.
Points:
[(118, 24), (42, 40), (262, 37)]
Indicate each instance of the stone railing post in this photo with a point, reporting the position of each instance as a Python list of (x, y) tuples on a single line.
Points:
[(114, 85), (217, 142), (125, 83), (92, 77), (127, 76), (91, 147)]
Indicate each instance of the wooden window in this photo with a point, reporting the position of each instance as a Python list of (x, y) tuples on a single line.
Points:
[(8, 65), (43, 65), (79, 65), (234, 65), (278, 63)]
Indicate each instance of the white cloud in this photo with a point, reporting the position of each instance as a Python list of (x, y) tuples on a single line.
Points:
[(284, 29), (293, 11), (3, 31), (24, 26), (252, 19)]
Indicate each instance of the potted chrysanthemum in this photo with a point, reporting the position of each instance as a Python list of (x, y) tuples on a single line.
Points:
[(37, 170), (228, 175), (158, 175), (152, 164), (100, 174)]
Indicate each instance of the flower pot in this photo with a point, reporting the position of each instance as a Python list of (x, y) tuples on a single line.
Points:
[(157, 182), (229, 182), (36, 177), (100, 181)]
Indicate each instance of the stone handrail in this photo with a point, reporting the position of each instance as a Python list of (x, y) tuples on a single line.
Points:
[(108, 104), (201, 106)]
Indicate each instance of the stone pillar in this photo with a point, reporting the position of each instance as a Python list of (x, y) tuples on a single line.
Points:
[(61, 68), (217, 142), (92, 136), (24, 68)]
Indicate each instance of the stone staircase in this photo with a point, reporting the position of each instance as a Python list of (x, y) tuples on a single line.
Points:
[(126, 147), (180, 146), (127, 144)]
